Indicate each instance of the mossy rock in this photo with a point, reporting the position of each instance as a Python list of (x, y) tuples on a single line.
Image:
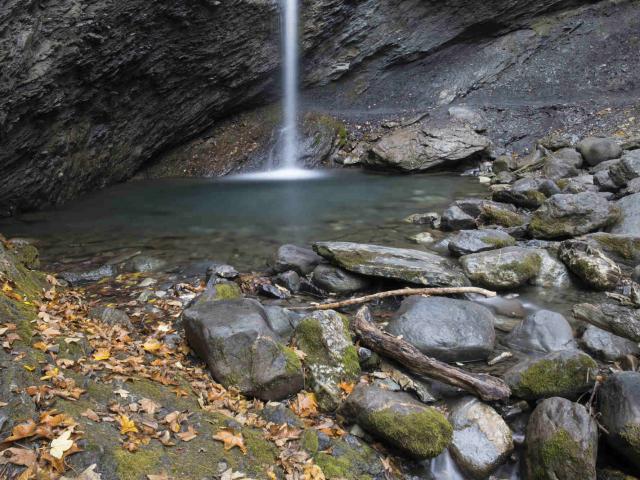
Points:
[(566, 373), (331, 357), (502, 269), (399, 420)]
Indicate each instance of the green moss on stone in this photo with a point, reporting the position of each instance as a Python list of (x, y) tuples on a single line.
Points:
[(625, 247), (423, 434), (560, 456), (227, 291), (293, 363), (136, 466), (351, 362), (261, 451), (554, 377), (309, 441), (631, 434), (496, 216)]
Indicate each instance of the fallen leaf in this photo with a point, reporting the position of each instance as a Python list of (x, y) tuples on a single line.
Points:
[(102, 354), (88, 474), (152, 345), (346, 387), (29, 368), (18, 456), (51, 373), (23, 430), (230, 439), (91, 415), (127, 425), (313, 472), (187, 436), (149, 406), (305, 404), (61, 444)]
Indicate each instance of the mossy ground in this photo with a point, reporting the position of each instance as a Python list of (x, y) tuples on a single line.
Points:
[(423, 434)]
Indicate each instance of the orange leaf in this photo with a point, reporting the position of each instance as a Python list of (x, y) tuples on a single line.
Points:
[(230, 439), (346, 387), (24, 430), (305, 405), (187, 436)]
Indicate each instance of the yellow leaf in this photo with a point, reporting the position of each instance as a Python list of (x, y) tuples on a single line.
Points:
[(305, 405), (313, 472), (61, 444), (52, 373), (102, 354), (127, 425), (29, 368), (230, 439), (152, 345)]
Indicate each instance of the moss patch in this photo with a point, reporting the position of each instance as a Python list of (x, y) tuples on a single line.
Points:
[(631, 434), (309, 441), (548, 378), (423, 434), (496, 216), (136, 466), (227, 291), (560, 456)]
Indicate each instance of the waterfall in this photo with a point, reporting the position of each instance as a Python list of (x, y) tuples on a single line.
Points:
[(290, 82)]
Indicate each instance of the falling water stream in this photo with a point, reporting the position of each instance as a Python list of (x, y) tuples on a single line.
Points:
[(290, 82)]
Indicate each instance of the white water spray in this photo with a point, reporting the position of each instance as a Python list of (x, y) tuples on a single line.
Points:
[(290, 83)]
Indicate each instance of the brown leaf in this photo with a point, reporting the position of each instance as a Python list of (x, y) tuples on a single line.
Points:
[(91, 415), (24, 430), (187, 436), (149, 406), (230, 439), (18, 456), (305, 405)]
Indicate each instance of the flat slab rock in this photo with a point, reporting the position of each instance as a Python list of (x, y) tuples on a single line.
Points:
[(413, 266)]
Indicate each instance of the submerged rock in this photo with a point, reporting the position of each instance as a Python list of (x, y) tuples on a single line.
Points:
[(568, 215), (566, 373), (336, 280), (416, 147), (542, 331), (561, 442), (299, 259), (330, 358), (597, 150), (607, 346), (448, 329), (505, 268), (482, 441), (399, 420), (620, 413), (466, 242), (88, 276), (591, 265), (145, 264), (413, 266), (629, 219), (235, 340)]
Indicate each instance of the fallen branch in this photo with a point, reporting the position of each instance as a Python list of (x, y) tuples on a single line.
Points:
[(397, 293), (617, 319), (485, 386)]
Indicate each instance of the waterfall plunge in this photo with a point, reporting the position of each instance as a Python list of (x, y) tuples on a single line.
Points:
[(290, 82)]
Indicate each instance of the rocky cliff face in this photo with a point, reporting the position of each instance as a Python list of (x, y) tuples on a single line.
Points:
[(91, 91)]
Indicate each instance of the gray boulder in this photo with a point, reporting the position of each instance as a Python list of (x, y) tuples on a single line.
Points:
[(448, 329), (505, 268), (454, 218), (235, 340), (620, 413), (432, 219), (607, 346), (79, 277), (417, 148), (629, 220), (626, 169), (553, 273), (289, 280), (590, 264), (399, 420), (482, 441), (564, 163), (542, 331), (596, 150), (299, 259), (569, 215), (624, 249), (111, 316), (336, 280), (561, 441), (527, 192), (466, 242), (411, 266), (566, 373)]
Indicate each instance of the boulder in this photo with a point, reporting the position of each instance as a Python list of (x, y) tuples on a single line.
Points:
[(500, 214), (563, 163), (596, 150), (336, 280), (618, 319), (607, 346), (482, 440), (469, 116), (399, 420), (145, 264), (620, 413), (566, 373), (569, 215), (541, 331), (406, 265), (590, 264), (628, 222), (624, 249), (504, 268), (466, 242), (626, 169), (448, 329), (454, 218), (289, 280), (111, 316), (79, 277), (553, 273), (561, 441), (417, 148), (527, 192), (331, 357), (235, 340), (432, 219), (299, 259)]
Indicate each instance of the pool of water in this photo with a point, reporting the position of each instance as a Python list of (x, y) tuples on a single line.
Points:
[(240, 221)]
